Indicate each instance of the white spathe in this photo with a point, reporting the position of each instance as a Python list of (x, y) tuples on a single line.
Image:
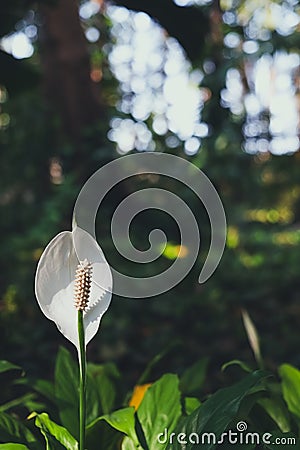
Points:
[(55, 283)]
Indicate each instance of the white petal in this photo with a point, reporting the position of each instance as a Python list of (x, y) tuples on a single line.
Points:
[(86, 247), (54, 284), (55, 277)]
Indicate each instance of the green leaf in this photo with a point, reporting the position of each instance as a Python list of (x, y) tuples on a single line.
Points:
[(42, 387), (214, 415), (128, 444), (100, 391), (92, 400), (66, 390), (237, 362), (51, 443), (160, 409), (122, 420), (190, 404), (13, 429), (155, 360), (291, 387), (277, 411), (193, 378), (48, 427), (45, 388), (5, 366), (102, 436), (102, 379), (12, 446), (23, 401)]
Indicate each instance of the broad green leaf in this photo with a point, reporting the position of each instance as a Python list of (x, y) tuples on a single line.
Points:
[(102, 436), (104, 377), (160, 409), (249, 408), (144, 378), (122, 420), (128, 444), (193, 378), (291, 387), (45, 388), (248, 446), (277, 411), (13, 429), (12, 446), (51, 443), (214, 415), (190, 404), (66, 390), (41, 386), (5, 366), (48, 427), (24, 401)]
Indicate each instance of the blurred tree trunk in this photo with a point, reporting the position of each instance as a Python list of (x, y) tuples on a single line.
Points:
[(64, 55)]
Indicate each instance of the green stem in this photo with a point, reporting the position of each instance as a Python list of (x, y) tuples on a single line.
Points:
[(82, 381)]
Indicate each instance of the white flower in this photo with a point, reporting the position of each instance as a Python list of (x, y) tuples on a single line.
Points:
[(55, 283)]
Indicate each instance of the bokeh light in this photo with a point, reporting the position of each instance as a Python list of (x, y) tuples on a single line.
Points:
[(159, 89), (161, 95), (18, 45)]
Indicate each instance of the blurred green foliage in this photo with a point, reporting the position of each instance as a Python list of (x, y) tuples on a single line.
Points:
[(257, 411), (43, 169)]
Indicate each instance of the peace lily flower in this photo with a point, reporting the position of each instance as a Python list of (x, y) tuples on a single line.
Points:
[(55, 283), (74, 294)]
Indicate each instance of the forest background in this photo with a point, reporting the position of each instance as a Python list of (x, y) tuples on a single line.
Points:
[(216, 83)]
